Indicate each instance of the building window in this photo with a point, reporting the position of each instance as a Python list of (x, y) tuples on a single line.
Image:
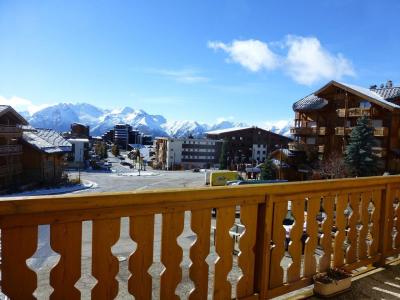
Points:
[(233, 138), (241, 138), (365, 104)]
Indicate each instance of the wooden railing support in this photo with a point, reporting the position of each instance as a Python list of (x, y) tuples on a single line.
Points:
[(385, 224)]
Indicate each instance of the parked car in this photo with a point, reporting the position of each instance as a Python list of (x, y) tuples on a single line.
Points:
[(125, 163), (196, 170)]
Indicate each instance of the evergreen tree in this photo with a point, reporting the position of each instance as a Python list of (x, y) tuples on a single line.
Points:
[(223, 164), (359, 159), (267, 170), (115, 150)]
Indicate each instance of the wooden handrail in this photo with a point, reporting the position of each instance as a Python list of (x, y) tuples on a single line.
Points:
[(261, 209)]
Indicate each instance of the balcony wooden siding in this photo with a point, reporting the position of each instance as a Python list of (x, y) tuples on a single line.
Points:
[(262, 211), (356, 112), (296, 146), (308, 130), (8, 130), (6, 170), (378, 131), (10, 150)]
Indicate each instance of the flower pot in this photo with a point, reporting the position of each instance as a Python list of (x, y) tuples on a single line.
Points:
[(332, 288)]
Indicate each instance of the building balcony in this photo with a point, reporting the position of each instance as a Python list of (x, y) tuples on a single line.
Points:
[(378, 131), (10, 150), (297, 146), (356, 112), (117, 234), (379, 151), (11, 169), (321, 148), (10, 131), (308, 130)]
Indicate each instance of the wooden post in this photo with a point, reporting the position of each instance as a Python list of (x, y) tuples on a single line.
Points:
[(262, 259), (384, 230)]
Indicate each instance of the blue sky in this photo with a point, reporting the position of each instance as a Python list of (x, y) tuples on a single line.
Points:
[(193, 60)]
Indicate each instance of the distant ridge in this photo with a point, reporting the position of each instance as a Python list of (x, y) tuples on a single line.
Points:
[(60, 116)]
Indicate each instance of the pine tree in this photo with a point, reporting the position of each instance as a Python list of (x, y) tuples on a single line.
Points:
[(223, 157), (267, 170), (359, 158)]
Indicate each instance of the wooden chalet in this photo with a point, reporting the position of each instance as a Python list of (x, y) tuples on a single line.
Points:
[(324, 119), (44, 155), (11, 124)]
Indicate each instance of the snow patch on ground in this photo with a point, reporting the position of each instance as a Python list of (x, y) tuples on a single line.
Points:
[(142, 173), (86, 184)]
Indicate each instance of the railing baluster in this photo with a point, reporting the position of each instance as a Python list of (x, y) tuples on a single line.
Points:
[(224, 248), (325, 261), (295, 247), (377, 199), (248, 217), (313, 205), (66, 240), (200, 224), (278, 238), (104, 264), (351, 253), (17, 245), (338, 258), (171, 254), (362, 248), (142, 232)]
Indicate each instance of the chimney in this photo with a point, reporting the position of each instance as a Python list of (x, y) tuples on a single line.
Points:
[(389, 84), (373, 87)]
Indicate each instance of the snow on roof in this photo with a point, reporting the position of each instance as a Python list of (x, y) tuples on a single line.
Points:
[(310, 102), (7, 108), (78, 140), (370, 94), (228, 130), (46, 140)]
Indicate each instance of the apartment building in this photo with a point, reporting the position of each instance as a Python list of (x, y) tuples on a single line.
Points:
[(249, 144), (11, 124), (123, 135), (186, 153), (324, 120)]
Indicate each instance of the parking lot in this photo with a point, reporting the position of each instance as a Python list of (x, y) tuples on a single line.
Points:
[(122, 178)]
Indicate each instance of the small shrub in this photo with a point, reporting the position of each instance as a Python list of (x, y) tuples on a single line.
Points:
[(332, 275)]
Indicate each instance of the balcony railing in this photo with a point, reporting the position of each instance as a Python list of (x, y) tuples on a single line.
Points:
[(297, 146), (321, 148), (10, 169), (356, 112), (308, 130), (379, 151), (10, 149), (378, 131), (161, 219), (8, 129)]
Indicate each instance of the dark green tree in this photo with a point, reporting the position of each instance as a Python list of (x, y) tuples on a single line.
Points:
[(267, 170), (223, 164), (359, 158)]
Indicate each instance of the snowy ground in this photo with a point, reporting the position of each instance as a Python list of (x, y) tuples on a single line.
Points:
[(86, 184)]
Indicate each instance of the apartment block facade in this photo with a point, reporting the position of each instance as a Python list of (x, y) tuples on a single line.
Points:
[(186, 153), (324, 120), (249, 144)]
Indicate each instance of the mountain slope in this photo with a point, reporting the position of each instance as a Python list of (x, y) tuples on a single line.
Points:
[(62, 115)]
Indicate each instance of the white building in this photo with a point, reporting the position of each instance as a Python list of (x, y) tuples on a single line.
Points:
[(80, 148)]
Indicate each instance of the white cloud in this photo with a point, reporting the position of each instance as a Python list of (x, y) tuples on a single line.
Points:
[(308, 62), (22, 104), (304, 59), (183, 75), (253, 55)]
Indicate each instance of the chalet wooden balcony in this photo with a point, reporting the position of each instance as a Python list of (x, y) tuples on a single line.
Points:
[(379, 151), (378, 131), (10, 169), (10, 150), (297, 146), (308, 130), (10, 131), (356, 112), (160, 223)]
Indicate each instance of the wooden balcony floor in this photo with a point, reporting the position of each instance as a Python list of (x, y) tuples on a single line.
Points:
[(379, 283)]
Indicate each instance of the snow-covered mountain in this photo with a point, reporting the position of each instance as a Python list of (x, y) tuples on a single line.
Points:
[(60, 117)]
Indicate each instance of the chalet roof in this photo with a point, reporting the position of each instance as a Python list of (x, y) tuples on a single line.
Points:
[(7, 108), (310, 102), (381, 96), (228, 130), (368, 94), (47, 140)]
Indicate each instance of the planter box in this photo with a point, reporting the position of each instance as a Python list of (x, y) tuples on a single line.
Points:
[(332, 288)]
